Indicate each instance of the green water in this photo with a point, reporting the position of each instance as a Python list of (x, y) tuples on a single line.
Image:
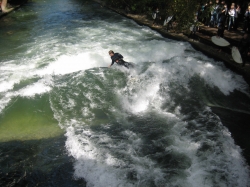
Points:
[(29, 119)]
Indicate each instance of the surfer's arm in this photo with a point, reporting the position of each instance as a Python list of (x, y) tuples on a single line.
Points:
[(112, 63)]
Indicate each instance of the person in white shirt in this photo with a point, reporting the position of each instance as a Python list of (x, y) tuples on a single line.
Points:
[(232, 13)]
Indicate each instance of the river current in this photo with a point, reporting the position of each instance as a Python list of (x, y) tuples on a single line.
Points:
[(148, 126)]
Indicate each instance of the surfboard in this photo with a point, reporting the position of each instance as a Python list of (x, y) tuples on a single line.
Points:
[(169, 18), (166, 21), (220, 41), (192, 28), (236, 55), (153, 15)]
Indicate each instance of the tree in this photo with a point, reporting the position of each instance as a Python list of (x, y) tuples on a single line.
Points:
[(183, 10)]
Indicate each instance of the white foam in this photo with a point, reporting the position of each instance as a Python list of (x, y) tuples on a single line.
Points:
[(90, 164), (34, 89), (69, 64)]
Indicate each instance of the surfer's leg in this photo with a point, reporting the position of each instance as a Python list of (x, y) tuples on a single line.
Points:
[(126, 64)]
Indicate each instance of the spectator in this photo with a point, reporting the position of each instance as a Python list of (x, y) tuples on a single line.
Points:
[(221, 28), (201, 12), (157, 17), (218, 11), (194, 27), (215, 14), (237, 16), (232, 13), (222, 14), (244, 48), (247, 20), (220, 32), (207, 13)]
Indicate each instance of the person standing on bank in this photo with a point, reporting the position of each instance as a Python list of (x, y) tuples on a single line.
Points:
[(215, 14), (246, 27), (222, 14), (157, 17), (232, 12), (118, 58), (237, 16)]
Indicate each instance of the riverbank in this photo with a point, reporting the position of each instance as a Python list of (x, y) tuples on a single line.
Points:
[(201, 43)]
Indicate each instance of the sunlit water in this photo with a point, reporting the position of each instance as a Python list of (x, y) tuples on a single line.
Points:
[(148, 126)]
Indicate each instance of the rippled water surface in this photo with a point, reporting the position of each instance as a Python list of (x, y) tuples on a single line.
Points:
[(68, 120)]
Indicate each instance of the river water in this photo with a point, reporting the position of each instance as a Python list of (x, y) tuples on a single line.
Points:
[(68, 120)]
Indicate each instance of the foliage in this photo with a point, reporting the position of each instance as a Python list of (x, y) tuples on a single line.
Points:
[(183, 10)]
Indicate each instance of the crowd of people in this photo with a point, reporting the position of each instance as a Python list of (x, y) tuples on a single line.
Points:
[(228, 16), (221, 16)]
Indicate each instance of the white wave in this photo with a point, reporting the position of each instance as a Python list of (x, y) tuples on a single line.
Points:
[(73, 63), (35, 89)]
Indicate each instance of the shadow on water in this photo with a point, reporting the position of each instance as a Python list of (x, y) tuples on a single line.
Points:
[(232, 109), (238, 125), (37, 163)]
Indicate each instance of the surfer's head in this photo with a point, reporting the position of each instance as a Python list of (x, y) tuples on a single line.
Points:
[(111, 53)]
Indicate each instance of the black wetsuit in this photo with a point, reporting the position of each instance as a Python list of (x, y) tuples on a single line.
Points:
[(119, 57)]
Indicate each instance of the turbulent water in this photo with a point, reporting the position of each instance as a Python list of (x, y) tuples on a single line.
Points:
[(148, 126)]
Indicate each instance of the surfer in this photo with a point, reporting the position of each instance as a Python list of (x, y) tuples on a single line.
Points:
[(244, 48), (118, 58)]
